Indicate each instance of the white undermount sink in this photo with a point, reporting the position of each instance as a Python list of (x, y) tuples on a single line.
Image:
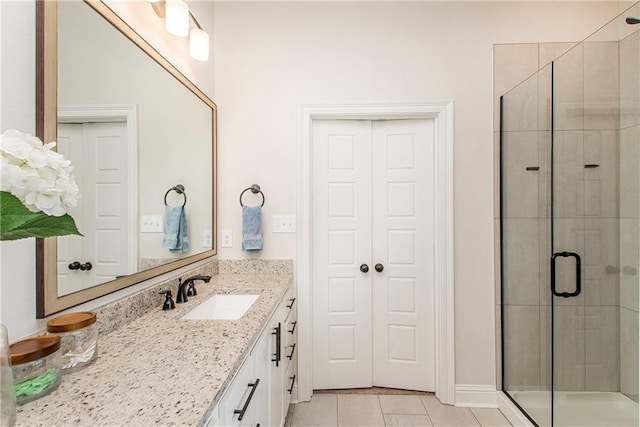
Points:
[(222, 306)]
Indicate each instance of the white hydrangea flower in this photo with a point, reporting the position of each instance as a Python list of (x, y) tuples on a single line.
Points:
[(41, 178)]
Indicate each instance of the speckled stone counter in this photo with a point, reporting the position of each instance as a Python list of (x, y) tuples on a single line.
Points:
[(159, 369)]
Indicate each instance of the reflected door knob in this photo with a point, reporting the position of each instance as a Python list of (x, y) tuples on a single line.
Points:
[(364, 268), (379, 268)]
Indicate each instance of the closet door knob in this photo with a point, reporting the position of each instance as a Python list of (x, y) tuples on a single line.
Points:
[(364, 268), (75, 265), (379, 268), (86, 266)]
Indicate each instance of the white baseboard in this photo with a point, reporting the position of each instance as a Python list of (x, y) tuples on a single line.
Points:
[(476, 396), (511, 411), (294, 395), (486, 396)]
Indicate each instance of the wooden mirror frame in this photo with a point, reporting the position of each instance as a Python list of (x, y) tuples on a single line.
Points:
[(47, 300)]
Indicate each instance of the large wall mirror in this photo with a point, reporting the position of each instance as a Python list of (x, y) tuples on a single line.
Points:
[(135, 129)]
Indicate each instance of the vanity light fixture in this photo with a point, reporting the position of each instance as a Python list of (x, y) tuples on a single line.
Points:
[(199, 44), (177, 18)]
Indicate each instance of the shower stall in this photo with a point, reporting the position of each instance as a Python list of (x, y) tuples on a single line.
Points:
[(570, 233)]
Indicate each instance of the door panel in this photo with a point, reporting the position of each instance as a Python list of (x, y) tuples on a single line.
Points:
[(108, 141), (270, 382), (341, 230), (403, 351), (99, 152)]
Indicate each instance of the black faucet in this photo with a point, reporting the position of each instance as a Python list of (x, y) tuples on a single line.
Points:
[(181, 296)]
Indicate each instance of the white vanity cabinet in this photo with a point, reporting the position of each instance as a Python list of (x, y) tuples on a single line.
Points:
[(259, 393)]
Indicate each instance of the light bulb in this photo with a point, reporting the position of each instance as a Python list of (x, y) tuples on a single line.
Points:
[(199, 44), (176, 19)]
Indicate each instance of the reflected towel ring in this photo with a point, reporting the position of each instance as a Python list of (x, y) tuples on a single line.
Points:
[(255, 189), (178, 189)]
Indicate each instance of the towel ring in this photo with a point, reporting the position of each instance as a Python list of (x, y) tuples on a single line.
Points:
[(178, 189), (255, 189)]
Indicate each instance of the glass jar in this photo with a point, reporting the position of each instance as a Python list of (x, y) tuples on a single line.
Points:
[(36, 364), (79, 334)]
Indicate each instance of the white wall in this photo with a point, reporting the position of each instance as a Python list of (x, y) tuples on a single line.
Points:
[(17, 285), (271, 57)]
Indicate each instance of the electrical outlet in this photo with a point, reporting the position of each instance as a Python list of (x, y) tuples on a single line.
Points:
[(151, 224), (284, 224), (207, 238), (227, 238)]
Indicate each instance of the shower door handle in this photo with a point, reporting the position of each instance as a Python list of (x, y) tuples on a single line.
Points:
[(578, 274)]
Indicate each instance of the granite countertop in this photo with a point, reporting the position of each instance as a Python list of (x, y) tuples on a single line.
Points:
[(160, 369)]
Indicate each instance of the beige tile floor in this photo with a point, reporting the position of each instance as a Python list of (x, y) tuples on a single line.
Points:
[(370, 410)]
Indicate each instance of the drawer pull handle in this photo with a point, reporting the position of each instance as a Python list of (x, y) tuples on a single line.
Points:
[(293, 380), (294, 327), (242, 411), (277, 356), (293, 348), (293, 300)]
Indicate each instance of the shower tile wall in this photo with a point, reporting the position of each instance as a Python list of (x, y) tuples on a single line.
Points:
[(594, 353), (629, 211)]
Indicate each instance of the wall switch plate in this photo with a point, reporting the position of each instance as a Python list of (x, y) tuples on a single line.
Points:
[(284, 224), (151, 224), (226, 237), (207, 238)]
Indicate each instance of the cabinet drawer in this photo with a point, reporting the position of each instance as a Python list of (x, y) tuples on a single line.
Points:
[(291, 304), (290, 383), (289, 337), (290, 354), (290, 300)]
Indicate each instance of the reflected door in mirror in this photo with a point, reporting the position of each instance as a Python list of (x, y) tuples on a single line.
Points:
[(98, 153)]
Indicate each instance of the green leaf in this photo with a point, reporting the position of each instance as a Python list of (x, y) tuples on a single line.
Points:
[(14, 213), (18, 222)]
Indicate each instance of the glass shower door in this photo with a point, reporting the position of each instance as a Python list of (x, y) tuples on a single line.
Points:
[(594, 187)]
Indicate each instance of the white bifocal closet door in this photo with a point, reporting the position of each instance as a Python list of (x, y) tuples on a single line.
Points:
[(403, 218), (373, 204), (341, 235)]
